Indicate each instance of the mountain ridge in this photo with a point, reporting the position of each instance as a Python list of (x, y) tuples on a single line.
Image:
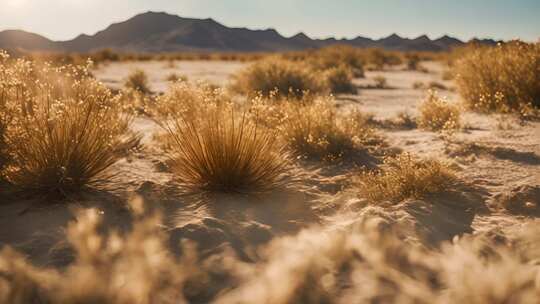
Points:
[(157, 32)]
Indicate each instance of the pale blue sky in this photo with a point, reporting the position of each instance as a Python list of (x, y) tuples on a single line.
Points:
[(499, 19)]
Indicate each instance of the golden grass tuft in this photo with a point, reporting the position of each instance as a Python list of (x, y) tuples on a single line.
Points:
[(371, 257), (314, 129), (437, 114), (291, 79), (174, 77), (64, 130), (404, 177), (138, 80), (215, 146), (505, 78), (336, 56), (339, 80), (380, 82)]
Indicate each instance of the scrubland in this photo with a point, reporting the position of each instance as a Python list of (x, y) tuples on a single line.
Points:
[(326, 176)]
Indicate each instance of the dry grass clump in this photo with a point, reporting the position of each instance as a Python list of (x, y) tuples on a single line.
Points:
[(434, 85), (336, 56), (215, 146), (505, 78), (133, 268), (138, 80), (437, 114), (64, 127), (418, 85), (188, 98), (413, 62), (380, 82), (174, 77), (315, 130), (404, 177), (339, 80), (292, 79), (447, 75), (365, 262), (379, 58)]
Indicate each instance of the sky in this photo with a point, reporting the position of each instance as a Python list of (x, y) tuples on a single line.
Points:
[(464, 19)]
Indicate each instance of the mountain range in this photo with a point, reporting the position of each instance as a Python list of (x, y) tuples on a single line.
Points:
[(156, 32)]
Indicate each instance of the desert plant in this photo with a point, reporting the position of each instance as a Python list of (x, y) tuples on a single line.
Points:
[(215, 146), (380, 82), (505, 78), (65, 127), (379, 58), (315, 130), (188, 98), (138, 80), (437, 114), (174, 77), (371, 256), (339, 80), (447, 75), (403, 177), (338, 55), (293, 79), (434, 85), (413, 61), (418, 85)]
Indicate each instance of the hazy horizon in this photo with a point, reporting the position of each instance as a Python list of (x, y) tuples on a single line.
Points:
[(496, 19)]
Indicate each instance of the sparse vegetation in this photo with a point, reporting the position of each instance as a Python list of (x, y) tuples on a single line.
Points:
[(434, 85), (404, 177), (437, 114), (447, 75), (316, 131), (138, 80), (339, 80), (418, 85), (504, 78), (292, 79), (215, 146), (139, 267), (64, 127), (413, 62), (174, 77), (380, 82), (338, 56)]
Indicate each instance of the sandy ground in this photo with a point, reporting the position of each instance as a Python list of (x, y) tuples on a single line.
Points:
[(214, 72), (492, 161)]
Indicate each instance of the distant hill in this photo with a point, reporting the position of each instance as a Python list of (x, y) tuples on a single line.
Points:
[(161, 32)]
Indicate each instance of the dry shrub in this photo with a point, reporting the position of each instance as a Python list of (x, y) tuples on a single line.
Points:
[(403, 120), (379, 58), (505, 78), (403, 177), (189, 98), (339, 80), (132, 268), (380, 82), (315, 130), (434, 85), (217, 147), (138, 80), (65, 127), (413, 62), (174, 77), (368, 261), (336, 56), (447, 75), (437, 114), (292, 79), (418, 85)]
